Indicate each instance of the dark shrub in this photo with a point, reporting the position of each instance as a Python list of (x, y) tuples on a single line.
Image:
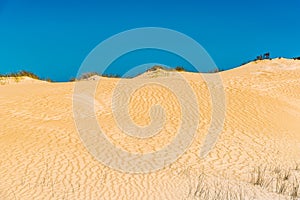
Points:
[(179, 68)]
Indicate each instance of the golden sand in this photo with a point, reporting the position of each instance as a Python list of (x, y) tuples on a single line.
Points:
[(42, 156)]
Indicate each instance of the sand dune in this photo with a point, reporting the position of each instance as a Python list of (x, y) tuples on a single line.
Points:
[(42, 156), (19, 80)]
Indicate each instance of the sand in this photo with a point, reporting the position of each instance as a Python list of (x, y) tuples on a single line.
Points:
[(43, 157)]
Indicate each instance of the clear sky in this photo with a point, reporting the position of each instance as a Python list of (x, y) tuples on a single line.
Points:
[(52, 38)]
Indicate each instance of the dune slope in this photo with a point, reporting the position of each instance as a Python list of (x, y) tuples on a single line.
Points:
[(42, 156)]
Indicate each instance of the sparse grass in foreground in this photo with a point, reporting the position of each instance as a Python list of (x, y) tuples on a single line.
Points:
[(217, 190), (268, 181), (279, 180)]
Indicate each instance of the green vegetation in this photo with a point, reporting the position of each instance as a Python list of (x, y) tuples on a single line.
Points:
[(179, 69), (91, 74), (72, 79), (154, 68), (264, 56), (48, 80), (88, 75), (21, 73), (18, 75)]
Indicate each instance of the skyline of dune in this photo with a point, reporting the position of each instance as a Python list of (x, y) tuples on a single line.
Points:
[(149, 100), (149, 67)]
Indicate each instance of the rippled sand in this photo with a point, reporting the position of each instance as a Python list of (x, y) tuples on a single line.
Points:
[(42, 156)]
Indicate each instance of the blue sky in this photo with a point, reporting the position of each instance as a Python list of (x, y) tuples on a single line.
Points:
[(52, 38)]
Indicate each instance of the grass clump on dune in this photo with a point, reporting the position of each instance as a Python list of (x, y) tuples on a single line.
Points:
[(154, 68), (275, 181), (89, 75), (206, 188), (279, 180), (17, 76), (21, 74), (179, 69), (157, 67)]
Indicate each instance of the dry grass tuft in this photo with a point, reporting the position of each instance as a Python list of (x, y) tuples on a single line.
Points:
[(278, 179), (22, 73), (217, 189)]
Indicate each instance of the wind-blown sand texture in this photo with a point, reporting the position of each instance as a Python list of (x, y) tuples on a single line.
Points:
[(42, 156)]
